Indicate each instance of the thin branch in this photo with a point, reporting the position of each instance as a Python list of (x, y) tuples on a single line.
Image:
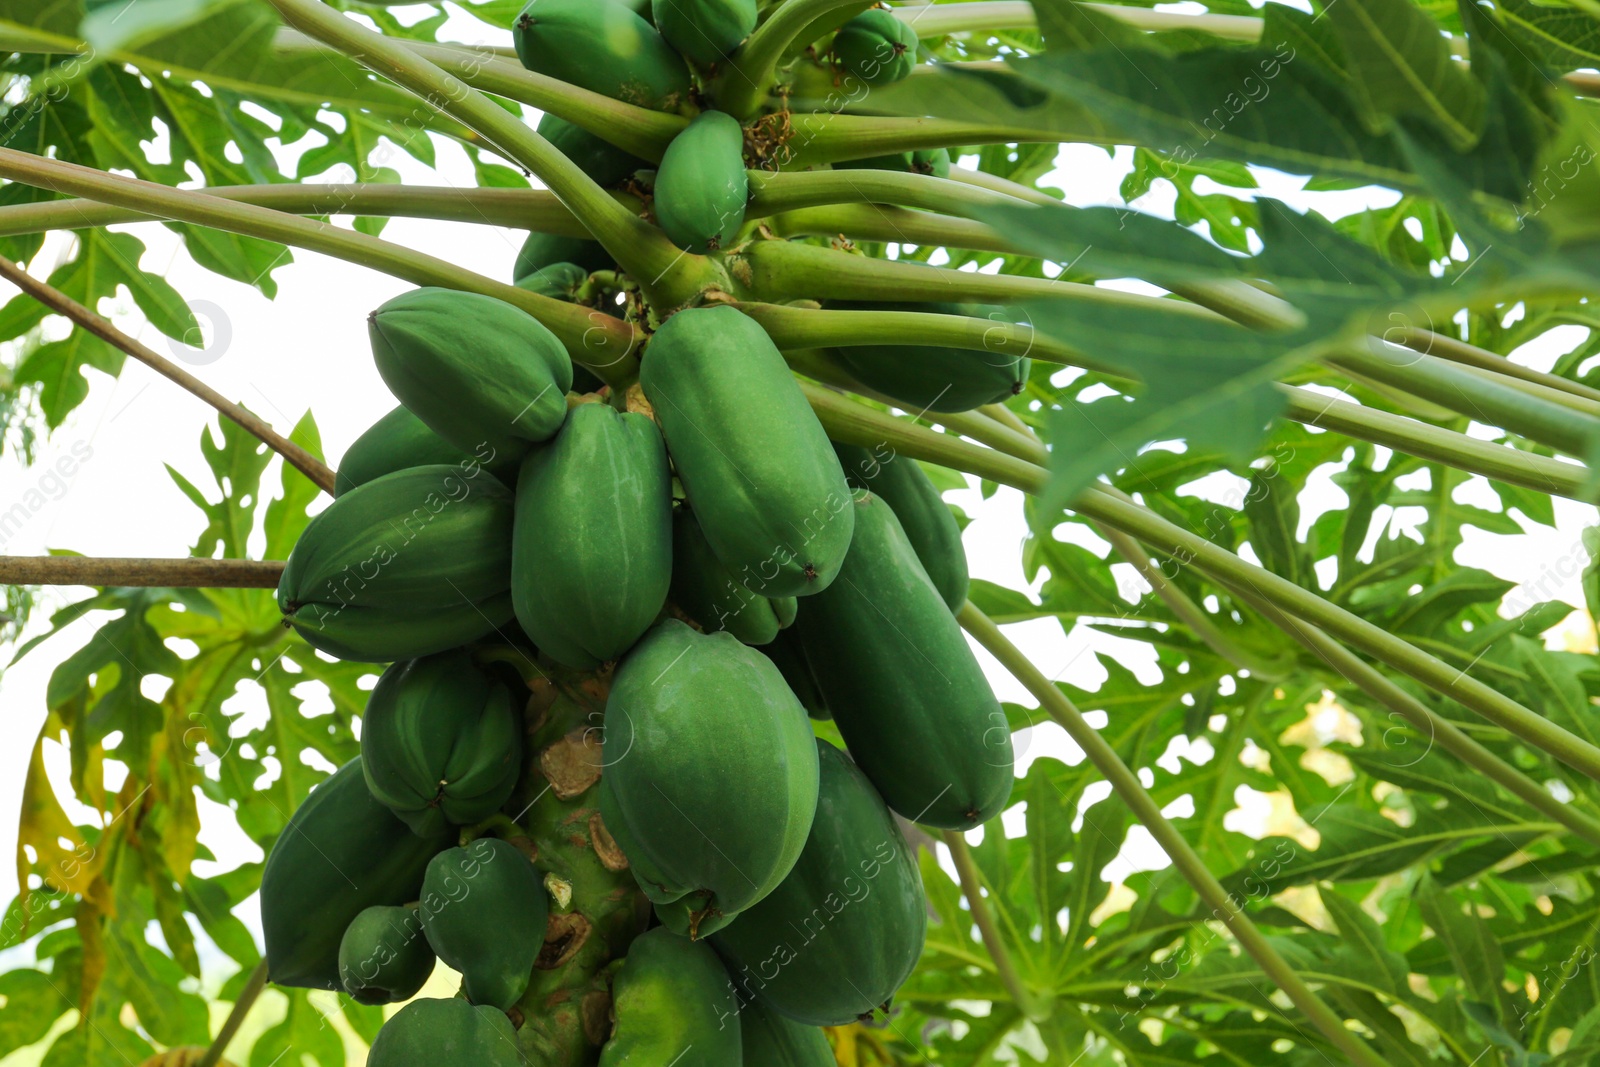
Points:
[(241, 1007), (941, 19), (749, 78), (775, 191), (971, 888), (189, 573), (1006, 417), (600, 342), (1187, 611), (1502, 462), (1432, 726), (312, 467), (1458, 351), (1144, 807)]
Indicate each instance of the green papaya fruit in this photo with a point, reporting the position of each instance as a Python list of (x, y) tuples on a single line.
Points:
[(604, 47), (770, 1040), (485, 909), (446, 1033), (931, 377), (705, 846), (393, 443), (384, 956), (598, 158), (411, 563), (708, 594), (707, 31), (341, 853), (541, 250), (673, 1005), (559, 281), (910, 699), (927, 520), (788, 652), (876, 47), (853, 905), (754, 461), (441, 742), (475, 369), (701, 186), (934, 161), (591, 555)]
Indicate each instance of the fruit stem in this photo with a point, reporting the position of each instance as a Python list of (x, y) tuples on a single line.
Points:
[(854, 423), (311, 466), (749, 79), (241, 1007), (1432, 726), (604, 344), (1144, 807), (971, 887), (642, 249)]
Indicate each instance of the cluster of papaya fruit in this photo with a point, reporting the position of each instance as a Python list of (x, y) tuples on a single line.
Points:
[(697, 547)]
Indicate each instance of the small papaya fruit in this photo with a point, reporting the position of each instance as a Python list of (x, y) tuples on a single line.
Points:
[(395, 442), (927, 520), (934, 161), (705, 591), (910, 699), (384, 956), (478, 371), (591, 554), (705, 846), (411, 563), (598, 158), (876, 47), (541, 250), (341, 853), (441, 742), (484, 909), (932, 377), (673, 1004), (707, 31), (754, 461), (559, 281), (445, 1033), (701, 186), (853, 905), (602, 46), (788, 652)]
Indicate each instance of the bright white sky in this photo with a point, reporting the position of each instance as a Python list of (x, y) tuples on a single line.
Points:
[(308, 349)]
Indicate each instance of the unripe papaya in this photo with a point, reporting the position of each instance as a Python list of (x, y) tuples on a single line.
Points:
[(756, 465), (484, 909), (788, 652), (853, 906), (598, 158), (441, 742), (876, 47), (591, 553), (934, 161), (558, 281), (910, 699), (711, 775), (409, 564), (707, 31), (604, 47), (701, 186), (770, 1040), (542, 250), (395, 442), (341, 853), (923, 514), (475, 369), (931, 377), (673, 1005), (444, 1033), (384, 956), (705, 591)]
